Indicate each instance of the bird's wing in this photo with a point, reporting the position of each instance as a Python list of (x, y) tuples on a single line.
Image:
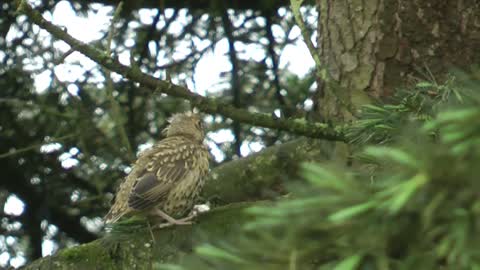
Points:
[(166, 167)]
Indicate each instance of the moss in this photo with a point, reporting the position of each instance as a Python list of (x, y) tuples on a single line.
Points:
[(136, 250), (79, 252), (78, 257)]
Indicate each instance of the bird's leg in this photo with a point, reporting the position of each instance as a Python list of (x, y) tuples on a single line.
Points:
[(197, 209), (188, 218), (170, 220)]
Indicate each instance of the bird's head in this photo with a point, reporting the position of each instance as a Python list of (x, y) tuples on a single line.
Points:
[(186, 124)]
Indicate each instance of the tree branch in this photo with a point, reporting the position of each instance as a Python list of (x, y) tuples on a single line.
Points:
[(136, 250), (257, 177), (208, 105), (262, 175)]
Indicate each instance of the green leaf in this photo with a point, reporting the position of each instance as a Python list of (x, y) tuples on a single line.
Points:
[(315, 173), (459, 114), (424, 85), (463, 147), (211, 251), (430, 209), (393, 154), (374, 108), (350, 212), (349, 263), (406, 192), (168, 267), (262, 223), (323, 177), (394, 107), (383, 126), (453, 136)]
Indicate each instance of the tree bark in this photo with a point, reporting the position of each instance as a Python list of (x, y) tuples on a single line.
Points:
[(373, 47)]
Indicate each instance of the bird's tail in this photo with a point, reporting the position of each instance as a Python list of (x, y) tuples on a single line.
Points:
[(114, 215)]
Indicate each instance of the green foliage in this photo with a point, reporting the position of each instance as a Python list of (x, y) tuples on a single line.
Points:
[(418, 209), (381, 123)]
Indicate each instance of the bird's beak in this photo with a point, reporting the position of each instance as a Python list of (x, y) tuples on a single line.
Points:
[(164, 132)]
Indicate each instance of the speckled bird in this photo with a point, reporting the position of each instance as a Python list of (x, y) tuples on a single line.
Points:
[(166, 179)]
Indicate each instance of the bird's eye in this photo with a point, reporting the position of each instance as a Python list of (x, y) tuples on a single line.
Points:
[(199, 124)]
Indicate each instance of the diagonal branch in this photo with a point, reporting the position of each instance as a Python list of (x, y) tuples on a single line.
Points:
[(208, 105)]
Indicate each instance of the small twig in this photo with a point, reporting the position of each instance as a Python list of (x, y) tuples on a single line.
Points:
[(35, 146), (63, 57), (321, 70), (116, 113)]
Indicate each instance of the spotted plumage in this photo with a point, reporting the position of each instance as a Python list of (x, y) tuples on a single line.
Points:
[(167, 177)]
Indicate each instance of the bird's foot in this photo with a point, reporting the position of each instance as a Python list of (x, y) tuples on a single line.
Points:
[(197, 209), (172, 221)]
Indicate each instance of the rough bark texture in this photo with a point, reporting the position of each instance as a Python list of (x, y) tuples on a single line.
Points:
[(373, 47)]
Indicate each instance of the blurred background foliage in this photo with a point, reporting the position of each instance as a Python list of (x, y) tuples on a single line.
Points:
[(406, 198)]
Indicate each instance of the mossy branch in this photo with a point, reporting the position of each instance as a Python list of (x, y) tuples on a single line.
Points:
[(255, 178), (208, 105), (138, 251), (262, 175)]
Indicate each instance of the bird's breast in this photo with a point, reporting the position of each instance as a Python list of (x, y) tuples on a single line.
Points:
[(182, 197)]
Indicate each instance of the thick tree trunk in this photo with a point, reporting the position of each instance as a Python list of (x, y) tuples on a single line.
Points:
[(373, 47)]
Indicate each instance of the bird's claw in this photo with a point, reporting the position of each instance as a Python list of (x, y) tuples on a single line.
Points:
[(169, 224)]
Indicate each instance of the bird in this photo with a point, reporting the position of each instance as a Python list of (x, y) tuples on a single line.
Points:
[(165, 180)]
